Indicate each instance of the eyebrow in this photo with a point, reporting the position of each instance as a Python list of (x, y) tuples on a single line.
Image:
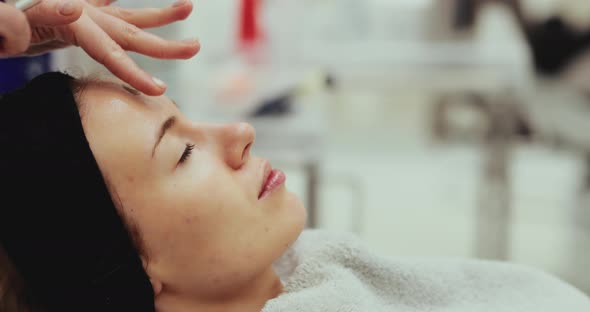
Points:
[(131, 90), (169, 123)]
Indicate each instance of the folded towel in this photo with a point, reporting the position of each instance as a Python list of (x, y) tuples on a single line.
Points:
[(329, 272)]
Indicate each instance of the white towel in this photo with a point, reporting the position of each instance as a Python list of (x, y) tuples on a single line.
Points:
[(329, 272)]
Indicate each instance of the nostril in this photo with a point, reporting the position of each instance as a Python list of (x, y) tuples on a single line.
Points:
[(246, 150)]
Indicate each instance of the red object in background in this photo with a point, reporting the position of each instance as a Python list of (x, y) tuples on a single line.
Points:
[(250, 32)]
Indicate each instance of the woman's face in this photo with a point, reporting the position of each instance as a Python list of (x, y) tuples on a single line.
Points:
[(190, 189)]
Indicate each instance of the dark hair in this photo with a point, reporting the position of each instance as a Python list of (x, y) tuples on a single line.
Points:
[(61, 209), (12, 290), (78, 86)]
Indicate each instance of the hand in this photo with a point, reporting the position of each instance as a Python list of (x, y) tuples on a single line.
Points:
[(15, 33), (106, 32)]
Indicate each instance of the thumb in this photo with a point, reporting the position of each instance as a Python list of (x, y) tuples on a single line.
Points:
[(55, 12), (15, 33)]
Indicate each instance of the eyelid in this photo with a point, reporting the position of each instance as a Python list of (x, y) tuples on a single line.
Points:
[(188, 150)]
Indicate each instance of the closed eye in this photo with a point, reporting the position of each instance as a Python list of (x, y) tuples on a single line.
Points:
[(188, 150)]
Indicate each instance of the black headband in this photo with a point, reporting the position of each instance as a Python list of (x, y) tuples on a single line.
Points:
[(58, 223)]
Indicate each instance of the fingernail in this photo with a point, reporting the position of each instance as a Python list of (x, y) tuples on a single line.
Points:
[(67, 7), (159, 82), (190, 40), (179, 3)]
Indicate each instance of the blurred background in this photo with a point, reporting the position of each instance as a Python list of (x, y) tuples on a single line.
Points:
[(456, 128)]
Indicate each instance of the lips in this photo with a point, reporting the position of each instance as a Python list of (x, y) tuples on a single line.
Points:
[(271, 179)]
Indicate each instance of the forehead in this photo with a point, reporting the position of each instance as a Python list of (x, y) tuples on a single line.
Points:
[(116, 104), (118, 122), (113, 95)]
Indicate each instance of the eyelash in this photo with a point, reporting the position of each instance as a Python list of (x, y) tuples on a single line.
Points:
[(187, 153)]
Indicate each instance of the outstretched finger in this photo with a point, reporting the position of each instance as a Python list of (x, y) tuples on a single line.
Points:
[(132, 38), (100, 3), (90, 37), (55, 12), (152, 17)]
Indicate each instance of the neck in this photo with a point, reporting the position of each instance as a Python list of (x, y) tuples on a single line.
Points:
[(251, 296)]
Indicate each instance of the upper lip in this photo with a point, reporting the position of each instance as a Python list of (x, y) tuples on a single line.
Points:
[(267, 170)]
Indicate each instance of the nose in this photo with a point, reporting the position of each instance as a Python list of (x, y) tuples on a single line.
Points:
[(234, 141)]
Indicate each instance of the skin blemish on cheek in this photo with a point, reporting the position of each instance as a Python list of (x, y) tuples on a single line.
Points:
[(191, 220)]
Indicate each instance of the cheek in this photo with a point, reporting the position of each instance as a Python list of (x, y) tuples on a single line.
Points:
[(192, 203), (209, 185), (208, 200), (197, 209)]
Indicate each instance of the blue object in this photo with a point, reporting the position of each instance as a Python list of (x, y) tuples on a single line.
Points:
[(277, 106), (15, 72)]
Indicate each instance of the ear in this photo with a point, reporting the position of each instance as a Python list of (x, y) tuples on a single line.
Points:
[(156, 284)]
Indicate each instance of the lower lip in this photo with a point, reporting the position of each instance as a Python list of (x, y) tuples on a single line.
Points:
[(275, 179)]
